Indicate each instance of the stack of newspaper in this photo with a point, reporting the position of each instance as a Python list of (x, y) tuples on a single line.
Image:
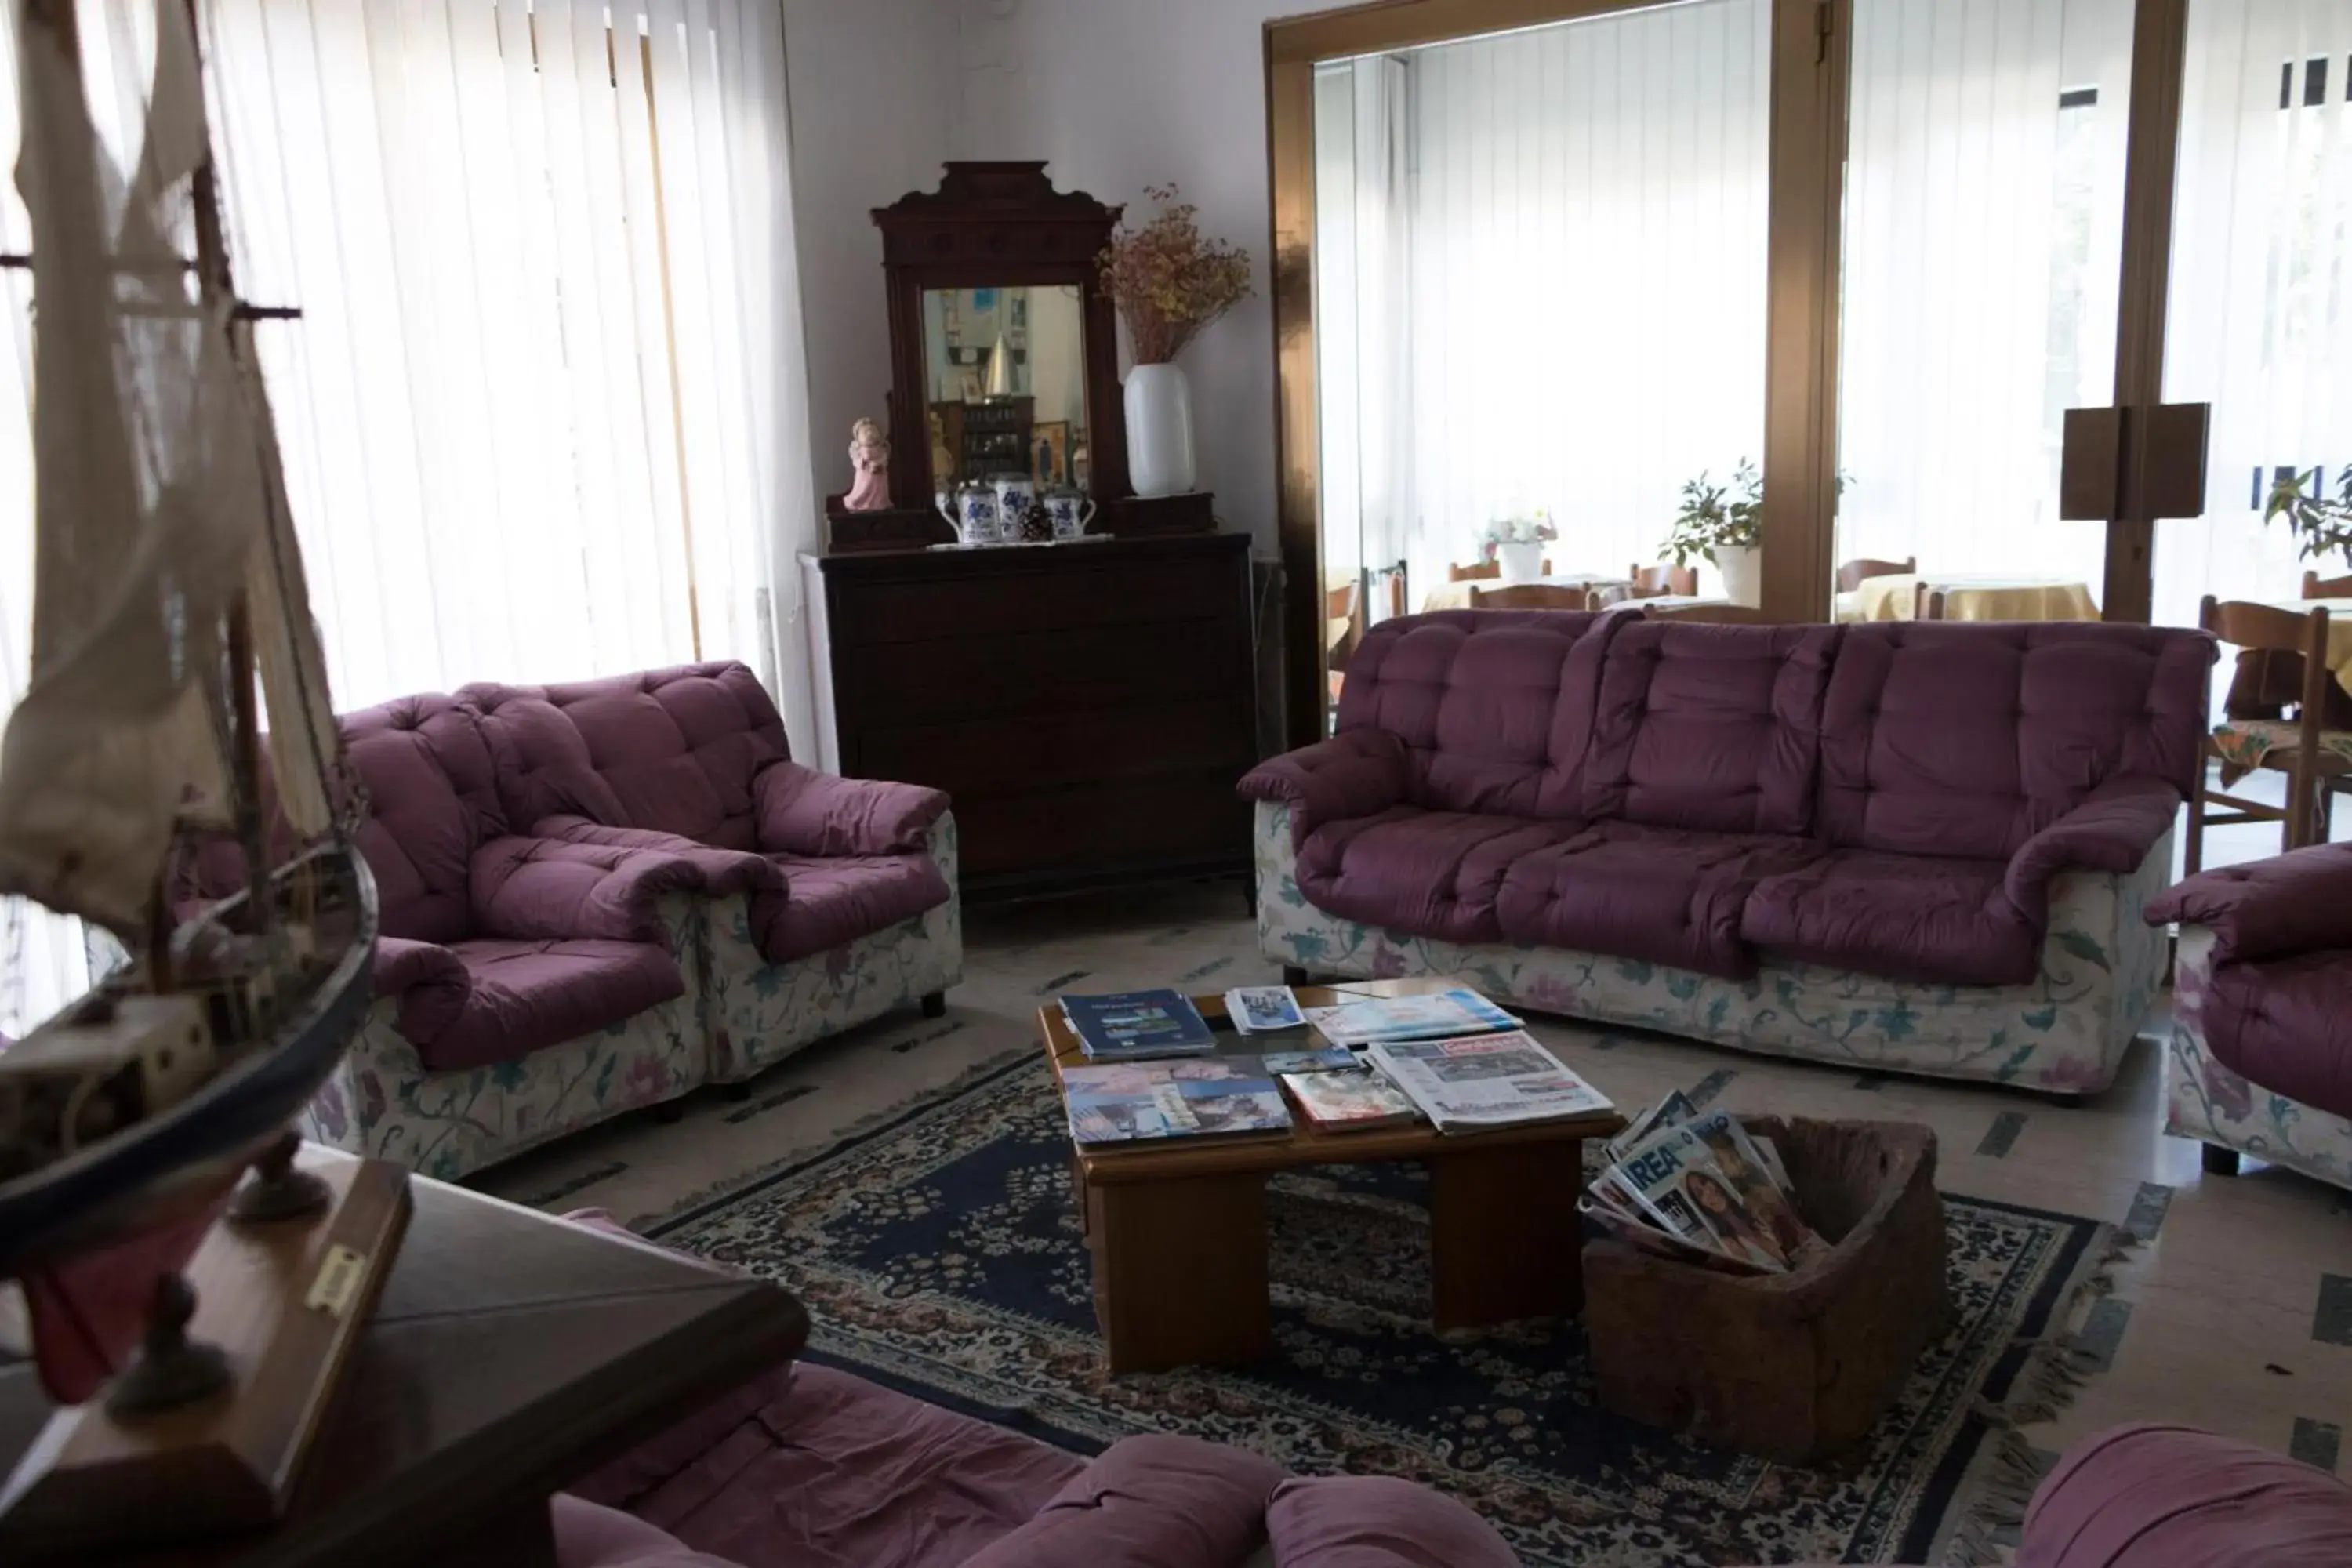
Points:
[(1697, 1187), (1485, 1080)]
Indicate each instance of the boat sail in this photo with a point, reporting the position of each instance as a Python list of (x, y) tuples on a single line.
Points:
[(168, 584)]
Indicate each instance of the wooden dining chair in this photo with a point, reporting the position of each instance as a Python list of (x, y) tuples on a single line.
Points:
[(2315, 586), (1851, 574), (1483, 571), (1531, 596), (1654, 582), (1928, 603), (1343, 604), (2301, 747)]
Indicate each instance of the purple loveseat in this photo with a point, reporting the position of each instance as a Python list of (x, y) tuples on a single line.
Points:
[(539, 973), (2262, 1038), (1922, 846)]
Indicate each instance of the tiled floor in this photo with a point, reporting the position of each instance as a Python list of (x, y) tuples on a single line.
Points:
[(2234, 1312)]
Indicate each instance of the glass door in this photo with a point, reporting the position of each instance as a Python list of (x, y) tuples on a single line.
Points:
[(1982, 232), (2258, 319)]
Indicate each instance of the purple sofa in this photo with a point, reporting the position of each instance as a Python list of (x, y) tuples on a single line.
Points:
[(1922, 846), (539, 972), (2262, 1039)]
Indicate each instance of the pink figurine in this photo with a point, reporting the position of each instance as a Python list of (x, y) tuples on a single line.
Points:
[(869, 454)]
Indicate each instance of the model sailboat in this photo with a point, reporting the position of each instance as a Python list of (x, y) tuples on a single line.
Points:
[(169, 587)]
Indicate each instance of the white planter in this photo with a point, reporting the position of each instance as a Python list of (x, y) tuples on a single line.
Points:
[(1742, 566), (1159, 431), (1520, 563)]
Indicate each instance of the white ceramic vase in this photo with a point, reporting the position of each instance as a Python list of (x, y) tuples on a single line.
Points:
[(1742, 566), (1521, 562), (1159, 431)]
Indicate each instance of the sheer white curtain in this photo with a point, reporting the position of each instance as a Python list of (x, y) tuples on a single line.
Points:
[(544, 414), (1983, 232), (2261, 311)]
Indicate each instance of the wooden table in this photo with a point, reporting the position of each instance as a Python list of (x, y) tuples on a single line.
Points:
[(511, 1354), (1457, 596), (1178, 1229), (1895, 598)]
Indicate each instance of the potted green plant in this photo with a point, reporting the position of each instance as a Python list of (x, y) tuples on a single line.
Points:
[(1515, 544), (2321, 524), (1723, 522)]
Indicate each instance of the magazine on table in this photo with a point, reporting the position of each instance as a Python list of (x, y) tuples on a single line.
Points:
[(1436, 1016), (1134, 1102), (1264, 1009), (1702, 1181), (1349, 1101), (1311, 1059), (1136, 1025), (1485, 1080)]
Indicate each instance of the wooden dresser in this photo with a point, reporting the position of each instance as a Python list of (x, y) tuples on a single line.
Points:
[(1089, 707)]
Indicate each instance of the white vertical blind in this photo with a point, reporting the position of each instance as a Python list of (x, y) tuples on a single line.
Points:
[(544, 416), (1983, 237), (1558, 289), (2260, 323)]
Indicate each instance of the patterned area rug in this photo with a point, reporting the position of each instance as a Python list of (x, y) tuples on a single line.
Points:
[(938, 1252)]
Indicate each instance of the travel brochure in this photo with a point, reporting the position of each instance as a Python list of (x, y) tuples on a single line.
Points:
[(1486, 1080), (1140, 1101), (1264, 1009), (1696, 1185), (1132, 1026)]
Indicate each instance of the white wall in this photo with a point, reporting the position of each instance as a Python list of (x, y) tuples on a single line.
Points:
[(873, 88), (1118, 94)]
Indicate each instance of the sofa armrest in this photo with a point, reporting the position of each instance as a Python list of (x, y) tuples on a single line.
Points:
[(1356, 773), (426, 980), (803, 812), (2293, 903), (723, 871), (2111, 829), (542, 890)]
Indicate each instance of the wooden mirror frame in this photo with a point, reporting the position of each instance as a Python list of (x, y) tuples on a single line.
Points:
[(989, 225)]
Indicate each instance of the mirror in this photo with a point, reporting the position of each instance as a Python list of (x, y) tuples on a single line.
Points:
[(1006, 381)]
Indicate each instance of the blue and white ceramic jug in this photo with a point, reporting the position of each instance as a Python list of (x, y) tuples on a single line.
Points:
[(971, 510)]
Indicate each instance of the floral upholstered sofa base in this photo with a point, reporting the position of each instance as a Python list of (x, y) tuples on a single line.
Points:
[(760, 1013), (739, 1016), (383, 1102), (2213, 1104), (2064, 1032)]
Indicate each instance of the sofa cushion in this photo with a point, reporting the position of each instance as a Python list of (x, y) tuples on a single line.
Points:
[(523, 997), (1931, 919), (2267, 909), (833, 902), (432, 799), (1963, 739), (1709, 727), (1378, 1521), (675, 750), (2150, 1496), (589, 1535), (2284, 1024), (1495, 706), (1428, 873), (840, 1474), (1153, 1501), (1652, 893)]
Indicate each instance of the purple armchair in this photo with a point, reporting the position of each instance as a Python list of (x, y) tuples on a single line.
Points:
[(1919, 846), (2262, 1039), (844, 905)]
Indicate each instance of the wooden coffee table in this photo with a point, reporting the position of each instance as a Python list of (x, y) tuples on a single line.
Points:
[(1178, 1229)]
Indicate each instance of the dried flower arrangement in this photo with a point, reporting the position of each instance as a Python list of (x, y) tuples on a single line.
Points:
[(1168, 281)]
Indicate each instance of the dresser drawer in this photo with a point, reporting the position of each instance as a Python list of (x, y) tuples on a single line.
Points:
[(982, 757), (1087, 669), (1054, 598)]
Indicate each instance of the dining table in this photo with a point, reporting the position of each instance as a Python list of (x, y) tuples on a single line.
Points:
[(1894, 597), (1457, 596)]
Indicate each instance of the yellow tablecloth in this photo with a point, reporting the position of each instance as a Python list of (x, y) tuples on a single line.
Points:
[(2339, 632), (1457, 596), (1895, 598)]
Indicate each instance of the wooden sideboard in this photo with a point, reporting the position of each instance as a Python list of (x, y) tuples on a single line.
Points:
[(1089, 707)]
